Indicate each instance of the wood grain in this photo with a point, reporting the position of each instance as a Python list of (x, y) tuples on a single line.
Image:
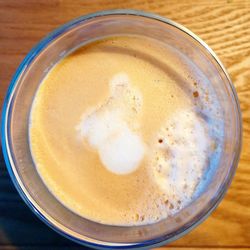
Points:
[(223, 25)]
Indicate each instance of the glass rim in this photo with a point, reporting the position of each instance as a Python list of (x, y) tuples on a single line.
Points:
[(46, 218)]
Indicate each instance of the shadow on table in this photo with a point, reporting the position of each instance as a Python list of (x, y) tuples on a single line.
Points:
[(19, 227)]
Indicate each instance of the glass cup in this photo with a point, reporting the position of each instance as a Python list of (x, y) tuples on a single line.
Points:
[(15, 123)]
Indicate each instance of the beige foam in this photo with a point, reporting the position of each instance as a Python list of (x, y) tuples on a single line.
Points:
[(113, 99)]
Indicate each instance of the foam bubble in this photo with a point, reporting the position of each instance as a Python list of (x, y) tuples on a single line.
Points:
[(107, 130)]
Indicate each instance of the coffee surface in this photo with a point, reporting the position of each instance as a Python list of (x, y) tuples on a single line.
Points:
[(122, 131)]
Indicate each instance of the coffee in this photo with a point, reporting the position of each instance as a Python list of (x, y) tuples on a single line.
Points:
[(123, 130)]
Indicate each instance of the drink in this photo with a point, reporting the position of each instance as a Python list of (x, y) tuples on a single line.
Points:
[(121, 134)]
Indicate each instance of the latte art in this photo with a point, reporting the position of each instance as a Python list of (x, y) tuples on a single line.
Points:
[(121, 134), (106, 129)]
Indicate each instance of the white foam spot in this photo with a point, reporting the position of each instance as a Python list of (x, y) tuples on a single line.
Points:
[(122, 153), (106, 128), (99, 125)]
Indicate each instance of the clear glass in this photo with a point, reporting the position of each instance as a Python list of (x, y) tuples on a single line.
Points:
[(15, 121)]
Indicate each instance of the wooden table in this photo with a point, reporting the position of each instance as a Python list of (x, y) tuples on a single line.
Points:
[(224, 25)]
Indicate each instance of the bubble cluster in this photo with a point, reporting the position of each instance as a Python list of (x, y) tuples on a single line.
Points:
[(179, 157)]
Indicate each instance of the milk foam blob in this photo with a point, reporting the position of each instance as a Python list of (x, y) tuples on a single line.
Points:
[(180, 156), (105, 128)]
